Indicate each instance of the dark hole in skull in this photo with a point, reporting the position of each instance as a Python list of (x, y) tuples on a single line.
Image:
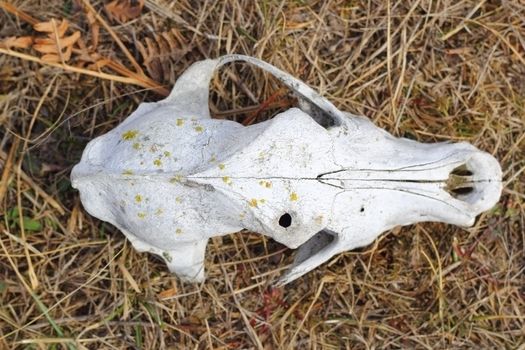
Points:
[(285, 220), (459, 182), (314, 245), (462, 190), (462, 170), (322, 117)]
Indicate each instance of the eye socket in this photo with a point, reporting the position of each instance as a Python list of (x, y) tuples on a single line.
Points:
[(285, 220)]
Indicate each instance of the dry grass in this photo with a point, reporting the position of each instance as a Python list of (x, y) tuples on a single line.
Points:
[(433, 71)]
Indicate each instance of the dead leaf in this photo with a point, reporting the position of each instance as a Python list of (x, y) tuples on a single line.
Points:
[(51, 26), (160, 54), (47, 45), (22, 42), (95, 28), (124, 10), (168, 293), (56, 47)]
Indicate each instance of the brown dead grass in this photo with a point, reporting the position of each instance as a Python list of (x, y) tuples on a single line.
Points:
[(432, 71)]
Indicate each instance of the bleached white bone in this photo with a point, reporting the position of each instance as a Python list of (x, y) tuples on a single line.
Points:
[(170, 177)]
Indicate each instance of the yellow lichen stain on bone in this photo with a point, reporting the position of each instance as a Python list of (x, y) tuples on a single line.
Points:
[(178, 199), (167, 154), (176, 179), (127, 172), (159, 211), (141, 215), (199, 129), (167, 256), (138, 198), (226, 180), (157, 162), (266, 184), (253, 203), (178, 231), (136, 146), (180, 122), (129, 135), (222, 166), (293, 196)]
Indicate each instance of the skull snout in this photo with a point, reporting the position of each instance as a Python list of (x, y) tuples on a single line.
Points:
[(476, 182)]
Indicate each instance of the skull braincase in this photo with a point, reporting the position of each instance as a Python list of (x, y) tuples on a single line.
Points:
[(315, 178)]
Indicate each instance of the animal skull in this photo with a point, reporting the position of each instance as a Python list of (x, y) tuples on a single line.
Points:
[(170, 177)]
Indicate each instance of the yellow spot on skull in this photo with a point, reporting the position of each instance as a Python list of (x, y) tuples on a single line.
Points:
[(136, 145), (213, 159), (253, 203), (293, 196), (180, 122), (199, 128), (130, 135), (266, 184), (262, 200), (178, 199), (157, 162), (222, 166), (167, 256), (141, 215), (138, 198), (159, 211), (178, 231), (167, 154), (127, 172), (226, 180), (176, 179)]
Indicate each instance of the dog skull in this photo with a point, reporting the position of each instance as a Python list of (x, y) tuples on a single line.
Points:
[(170, 177)]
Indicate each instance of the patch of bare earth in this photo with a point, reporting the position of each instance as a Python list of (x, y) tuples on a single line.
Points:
[(427, 70)]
